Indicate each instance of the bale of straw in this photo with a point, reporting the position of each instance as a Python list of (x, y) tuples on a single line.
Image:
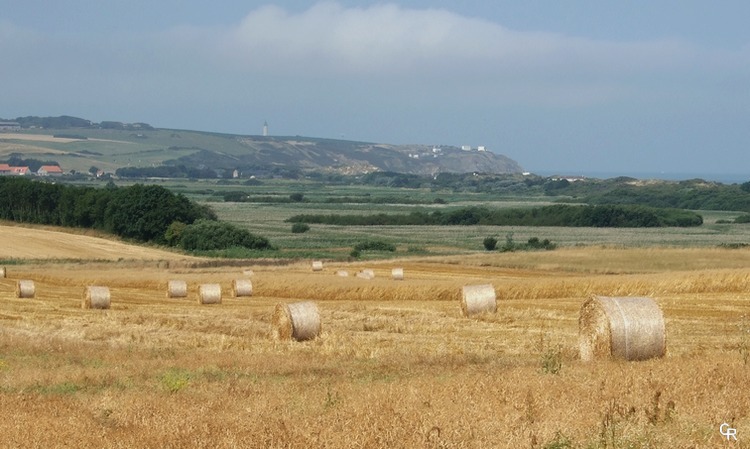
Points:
[(25, 289), (209, 294), (366, 274), (2, 272), (342, 273), (96, 297), (477, 299), (242, 287), (397, 274), (317, 265), (629, 328), (177, 289), (299, 321)]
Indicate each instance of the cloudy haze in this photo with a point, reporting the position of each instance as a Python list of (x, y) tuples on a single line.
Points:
[(558, 86)]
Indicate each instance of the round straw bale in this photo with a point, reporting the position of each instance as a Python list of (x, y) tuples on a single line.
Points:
[(95, 297), (209, 294), (476, 299), (317, 265), (397, 274), (299, 321), (25, 289), (2, 272), (366, 274), (630, 328), (242, 287), (177, 289), (342, 273)]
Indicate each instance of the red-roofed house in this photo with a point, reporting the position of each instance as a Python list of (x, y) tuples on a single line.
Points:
[(20, 170), (49, 170), (4, 169)]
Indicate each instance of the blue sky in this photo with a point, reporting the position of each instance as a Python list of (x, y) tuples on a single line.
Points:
[(574, 87)]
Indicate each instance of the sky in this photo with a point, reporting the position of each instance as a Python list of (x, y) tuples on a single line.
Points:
[(574, 87)]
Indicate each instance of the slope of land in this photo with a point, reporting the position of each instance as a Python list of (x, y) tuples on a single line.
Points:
[(18, 242), (109, 149)]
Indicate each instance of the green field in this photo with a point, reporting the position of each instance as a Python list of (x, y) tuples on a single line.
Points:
[(268, 219)]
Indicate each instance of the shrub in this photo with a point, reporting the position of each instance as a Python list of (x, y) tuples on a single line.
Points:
[(375, 245), (297, 197), (205, 235), (490, 243), (300, 228), (174, 233), (535, 243), (743, 219)]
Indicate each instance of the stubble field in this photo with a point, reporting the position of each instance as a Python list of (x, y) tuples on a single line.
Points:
[(396, 364)]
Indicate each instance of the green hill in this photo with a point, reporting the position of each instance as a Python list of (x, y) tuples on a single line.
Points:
[(78, 144)]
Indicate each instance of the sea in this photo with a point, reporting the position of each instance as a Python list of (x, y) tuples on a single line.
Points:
[(724, 178)]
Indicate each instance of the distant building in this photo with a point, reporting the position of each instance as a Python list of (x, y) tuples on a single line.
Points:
[(466, 147), (20, 171), (10, 126), (4, 169), (481, 148), (265, 129), (49, 170)]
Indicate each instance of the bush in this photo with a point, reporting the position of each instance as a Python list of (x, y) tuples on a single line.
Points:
[(490, 243), (743, 219), (297, 197), (204, 235), (535, 243), (300, 228), (374, 245)]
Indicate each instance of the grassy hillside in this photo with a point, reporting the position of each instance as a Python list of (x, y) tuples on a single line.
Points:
[(109, 149)]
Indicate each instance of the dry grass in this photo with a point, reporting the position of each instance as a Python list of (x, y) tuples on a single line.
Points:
[(396, 364), (36, 243)]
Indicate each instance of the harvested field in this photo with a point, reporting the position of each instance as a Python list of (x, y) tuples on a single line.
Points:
[(396, 363), (35, 243)]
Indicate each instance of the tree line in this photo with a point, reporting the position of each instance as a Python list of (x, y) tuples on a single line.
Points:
[(616, 216), (139, 212)]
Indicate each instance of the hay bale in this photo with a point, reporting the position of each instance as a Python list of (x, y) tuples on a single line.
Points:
[(342, 273), (2, 272), (477, 299), (242, 287), (629, 328), (96, 297), (25, 289), (299, 321), (177, 289), (317, 265), (397, 274), (209, 294), (366, 274)]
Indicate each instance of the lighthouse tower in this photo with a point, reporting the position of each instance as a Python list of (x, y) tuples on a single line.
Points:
[(265, 129)]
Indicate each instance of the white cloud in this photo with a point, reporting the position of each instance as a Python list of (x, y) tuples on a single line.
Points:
[(387, 39)]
